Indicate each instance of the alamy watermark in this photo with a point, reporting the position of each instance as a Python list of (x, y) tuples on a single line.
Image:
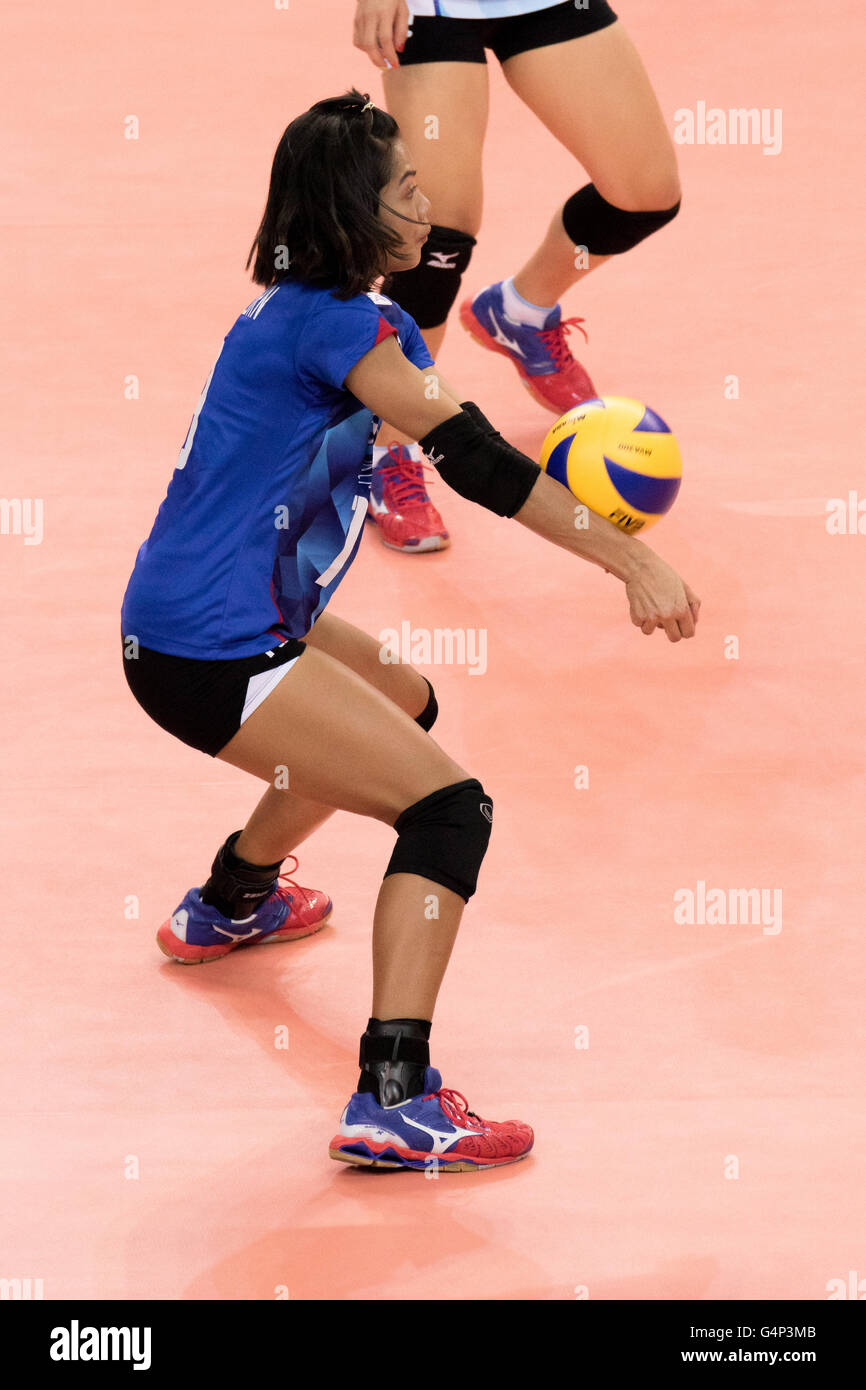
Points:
[(735, 126), (846, 516), (77, 1343), (21, 1290), (729, 907), (22, 516), (438, 646)]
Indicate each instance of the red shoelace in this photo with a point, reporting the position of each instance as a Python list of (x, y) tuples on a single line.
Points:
[(555, 341), (284, 881), (406, 480), (457, 1114)]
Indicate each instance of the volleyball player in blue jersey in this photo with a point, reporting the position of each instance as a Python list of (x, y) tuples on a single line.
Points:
[(228, 646), (573, 64)]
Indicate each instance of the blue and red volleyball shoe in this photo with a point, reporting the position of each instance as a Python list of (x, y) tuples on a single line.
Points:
[(541, 355), (196, 932), (435, 1130), (400, 505)]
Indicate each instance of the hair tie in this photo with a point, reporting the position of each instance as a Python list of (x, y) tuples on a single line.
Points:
[(368, 105)]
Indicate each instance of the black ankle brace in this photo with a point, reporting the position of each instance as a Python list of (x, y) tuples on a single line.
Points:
[(395, 1053), (237, 888)]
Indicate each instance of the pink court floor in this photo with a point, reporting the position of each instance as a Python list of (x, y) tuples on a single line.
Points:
[(696, 1086)]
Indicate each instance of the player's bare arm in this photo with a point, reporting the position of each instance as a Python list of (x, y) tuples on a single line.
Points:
[(390, 385)]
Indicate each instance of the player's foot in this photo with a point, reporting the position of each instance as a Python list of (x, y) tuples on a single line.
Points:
[(399, 503), (434, 1130), (541, 355), (197, 932)]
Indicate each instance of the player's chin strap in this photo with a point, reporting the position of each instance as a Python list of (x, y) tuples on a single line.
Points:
[(402, 215)]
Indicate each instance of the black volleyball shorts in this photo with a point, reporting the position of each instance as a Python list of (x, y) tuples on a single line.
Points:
[(204, 703), (435, 39)]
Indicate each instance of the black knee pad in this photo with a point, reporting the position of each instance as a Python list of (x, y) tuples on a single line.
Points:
[(444, 837), (605, 230), (428, 291), (427, 717)]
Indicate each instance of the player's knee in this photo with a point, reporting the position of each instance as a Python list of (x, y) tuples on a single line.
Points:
[(427, 717), (658, 193), (653, 186), (429, 289), (668, 191), (444, 837), (607, 230)]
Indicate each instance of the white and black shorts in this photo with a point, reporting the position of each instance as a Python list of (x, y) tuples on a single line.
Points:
[(204, 703)]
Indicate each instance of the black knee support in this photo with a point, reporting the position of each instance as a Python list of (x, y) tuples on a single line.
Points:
[(428, 291), (427, 717), (444, 837), (605, 230)]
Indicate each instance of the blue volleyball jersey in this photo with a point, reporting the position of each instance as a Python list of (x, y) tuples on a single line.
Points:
[(265, 509)]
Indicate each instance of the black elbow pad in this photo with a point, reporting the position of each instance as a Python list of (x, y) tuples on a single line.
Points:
[(479, 417), (478, 463)]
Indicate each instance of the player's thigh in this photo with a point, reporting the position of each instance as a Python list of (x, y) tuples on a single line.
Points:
[(341, 742), (363, 655), (594, 94), (441, 109)]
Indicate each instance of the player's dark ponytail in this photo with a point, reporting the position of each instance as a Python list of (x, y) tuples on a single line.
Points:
[(321, 222)]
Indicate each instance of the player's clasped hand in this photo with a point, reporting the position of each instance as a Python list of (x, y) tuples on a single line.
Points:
[(659, 598), (381, 30)]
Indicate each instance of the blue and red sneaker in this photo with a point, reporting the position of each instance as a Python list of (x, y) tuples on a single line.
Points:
[(400, 505), (196, 932), (435, 1130), (541, 355)]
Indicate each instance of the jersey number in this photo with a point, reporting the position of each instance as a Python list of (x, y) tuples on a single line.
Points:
[(193, 424)]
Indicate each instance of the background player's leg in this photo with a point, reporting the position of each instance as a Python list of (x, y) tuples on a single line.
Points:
[(281, 821), (446, 154), (594, 95), (449, 165), (441, 109), (347, 746)]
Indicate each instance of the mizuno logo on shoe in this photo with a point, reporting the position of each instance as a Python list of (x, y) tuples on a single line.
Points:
[(499, 336), (441, 1141), (233, 936), (179, 923)]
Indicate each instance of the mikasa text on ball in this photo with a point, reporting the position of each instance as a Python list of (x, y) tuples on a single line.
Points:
[(618, 457)]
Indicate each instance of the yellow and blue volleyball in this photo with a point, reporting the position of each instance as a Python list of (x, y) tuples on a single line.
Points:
[(617, 457)]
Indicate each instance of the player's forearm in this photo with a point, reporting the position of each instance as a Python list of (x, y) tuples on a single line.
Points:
[(552, 512), (476, 461)]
